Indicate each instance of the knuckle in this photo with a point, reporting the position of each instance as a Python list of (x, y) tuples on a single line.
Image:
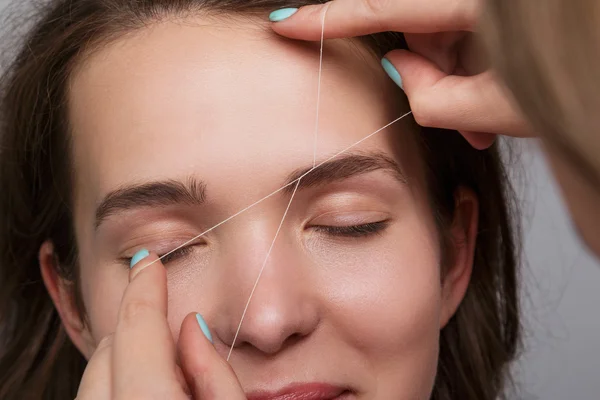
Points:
[(378, 7), (378, 13), (135, 309), (420, 111)]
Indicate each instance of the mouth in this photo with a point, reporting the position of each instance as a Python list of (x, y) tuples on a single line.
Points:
[(305, 391)]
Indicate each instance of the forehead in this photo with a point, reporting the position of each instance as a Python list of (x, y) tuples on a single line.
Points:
[(219, 99)]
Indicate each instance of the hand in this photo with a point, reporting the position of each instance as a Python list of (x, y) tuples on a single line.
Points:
[(139, 360), (443, 78)]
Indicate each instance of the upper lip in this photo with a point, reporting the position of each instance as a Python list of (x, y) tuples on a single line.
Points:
[(300, 391)]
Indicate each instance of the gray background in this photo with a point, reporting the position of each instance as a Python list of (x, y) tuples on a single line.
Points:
[(561, 295)]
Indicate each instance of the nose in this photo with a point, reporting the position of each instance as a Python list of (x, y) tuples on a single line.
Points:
[(283, 309)]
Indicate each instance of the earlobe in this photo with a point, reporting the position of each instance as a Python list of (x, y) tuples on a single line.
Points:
[(64, 301), (463, 234)]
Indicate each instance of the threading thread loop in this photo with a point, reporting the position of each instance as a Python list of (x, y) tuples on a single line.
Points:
[(257, 202), (296, 182), (316, 135)]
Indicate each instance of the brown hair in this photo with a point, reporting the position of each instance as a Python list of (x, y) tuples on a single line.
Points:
[(38, 361)]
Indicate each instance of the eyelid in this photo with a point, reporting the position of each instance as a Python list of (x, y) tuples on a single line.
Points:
[(161, 248), (348, 218)]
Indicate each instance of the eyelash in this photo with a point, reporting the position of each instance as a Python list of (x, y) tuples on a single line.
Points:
[(354, 231), (175, 255)]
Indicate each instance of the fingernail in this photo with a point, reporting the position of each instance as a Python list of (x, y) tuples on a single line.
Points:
[(392, 72), (139, 256), (204, 327), (280, 15)]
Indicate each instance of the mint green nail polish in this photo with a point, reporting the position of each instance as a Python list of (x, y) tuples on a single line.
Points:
[(392, 72), (204, 327), (280, 15), (139, 256)]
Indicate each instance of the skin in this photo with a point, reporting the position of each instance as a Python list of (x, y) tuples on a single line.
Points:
[(448, 86), (233, 105)]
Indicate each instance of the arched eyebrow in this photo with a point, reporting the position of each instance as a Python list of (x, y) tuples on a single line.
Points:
[(151, 194), (344, 167), (193, 191)]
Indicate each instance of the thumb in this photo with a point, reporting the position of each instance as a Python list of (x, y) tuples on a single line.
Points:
[(463, 103), (209, 376)]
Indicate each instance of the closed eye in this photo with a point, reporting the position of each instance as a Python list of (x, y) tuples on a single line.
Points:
[(355, 231), (170, 257), (177, 254)]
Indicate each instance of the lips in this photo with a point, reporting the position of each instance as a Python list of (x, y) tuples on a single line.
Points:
[(304, 391)]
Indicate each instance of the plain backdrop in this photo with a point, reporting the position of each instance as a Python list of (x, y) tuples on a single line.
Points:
[(561, 295)]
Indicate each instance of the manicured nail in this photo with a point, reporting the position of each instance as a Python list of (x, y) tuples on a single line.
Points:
[(280, 15), (392, 72), (139, 256), (204, 327)]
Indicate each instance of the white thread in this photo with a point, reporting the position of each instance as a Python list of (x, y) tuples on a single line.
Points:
[(297, 181), (316, 135), (264, 264), (339, 153), (319, 85), (275, 238)]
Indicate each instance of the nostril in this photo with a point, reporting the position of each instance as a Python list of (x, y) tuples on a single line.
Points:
[(292, 340), (270, 345)]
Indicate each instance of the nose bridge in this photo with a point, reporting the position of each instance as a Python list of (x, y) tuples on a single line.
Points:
[(281, 306)]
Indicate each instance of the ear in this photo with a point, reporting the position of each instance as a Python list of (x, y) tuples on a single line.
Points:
[(463, 234), (63, 298)]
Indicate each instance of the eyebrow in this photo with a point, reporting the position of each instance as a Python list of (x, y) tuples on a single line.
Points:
[(193, 191), (153, 194), (345, 167)]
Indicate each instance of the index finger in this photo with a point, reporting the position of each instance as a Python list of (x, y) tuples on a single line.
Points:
[(144, 363), (349, 18)]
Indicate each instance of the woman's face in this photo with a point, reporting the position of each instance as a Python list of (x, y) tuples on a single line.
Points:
[(180, 125)]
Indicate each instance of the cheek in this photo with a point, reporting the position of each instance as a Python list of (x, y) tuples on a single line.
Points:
[(387, 303), (399, 290)]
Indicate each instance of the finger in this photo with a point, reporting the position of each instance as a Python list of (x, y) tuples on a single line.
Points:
[(440, 48), (183, 382), (96, 381), (479, 140), (144, 352), (472, 103), (348, 18), (208, 374)]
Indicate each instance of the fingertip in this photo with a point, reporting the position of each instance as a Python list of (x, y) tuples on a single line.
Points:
[(194, 348), (479, 140), (304, 23), (209, 375), (204, 327), (140, 261), (139, 256), (282, 14), (414, 69), (394, 55), (195, 326), (392, 72)]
